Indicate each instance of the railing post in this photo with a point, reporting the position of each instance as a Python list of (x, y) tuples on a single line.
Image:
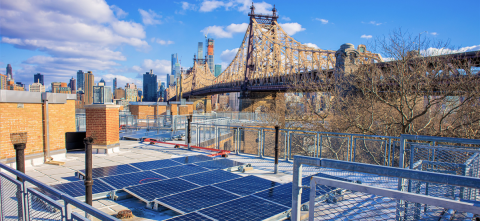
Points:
[(24, 201), (88, 170), (276, 149), (189, 131), (311, 203)]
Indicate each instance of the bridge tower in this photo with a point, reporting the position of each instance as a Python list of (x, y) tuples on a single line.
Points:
[(259, 101)]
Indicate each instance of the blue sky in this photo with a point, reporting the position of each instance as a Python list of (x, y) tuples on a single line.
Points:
[(125, 39)]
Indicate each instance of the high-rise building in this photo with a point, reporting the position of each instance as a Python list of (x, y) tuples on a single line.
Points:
[(150, 86), (210, 57), (72, 85), (178, 73), (102, 94), (88, 87), (168, 80), (56, 86), (36, 87), (80, 80), (172, 80), (101, 82), (161, 91), (131, 92), (38, 78), (174, 61), (9, 72), (20, 84), (218, 70), (3, 82), (114, 84), (139, 94), (119, 93), (200, 50)]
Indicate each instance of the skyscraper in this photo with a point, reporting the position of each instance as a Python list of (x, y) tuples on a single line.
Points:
[(200, 50), (3, 82), (174, 61), (38, 78), (178, 73), (80, 80), (101, 82), (114, 84), (9, 72), (211, 60), (88, 90), (150, 86), (168, 80), (218, 70), (72, 85)]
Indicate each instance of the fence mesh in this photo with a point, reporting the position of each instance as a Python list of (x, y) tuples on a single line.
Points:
[(302, 144), (249, 141), (269, 144), (11, 198), (334, 147), (43, 208), (343, 204)]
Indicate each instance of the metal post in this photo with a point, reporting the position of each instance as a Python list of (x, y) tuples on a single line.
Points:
[(20, 158), (189, 131), (88, 170), (276, 149)]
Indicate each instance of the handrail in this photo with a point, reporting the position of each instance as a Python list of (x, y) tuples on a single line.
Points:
[(68, 199)]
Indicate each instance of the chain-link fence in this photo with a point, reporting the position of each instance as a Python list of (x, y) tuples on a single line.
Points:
[(11, 198)]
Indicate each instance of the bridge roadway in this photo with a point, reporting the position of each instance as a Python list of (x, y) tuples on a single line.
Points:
[(472, 57)]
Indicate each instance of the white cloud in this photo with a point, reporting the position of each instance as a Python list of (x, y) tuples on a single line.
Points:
[(441, 51), (74, 35), (162, 42), (285, 18), (366, 36), (372, 23), (292, 28), (188, 6), (225, 32), (434, 33), (118, 11), (208, 6), (148, 18), (324, 21), (311, 45), (158, 66), (121, 80), (228, 55)]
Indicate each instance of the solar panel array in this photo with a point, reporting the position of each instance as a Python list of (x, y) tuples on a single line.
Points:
[(77, 188)]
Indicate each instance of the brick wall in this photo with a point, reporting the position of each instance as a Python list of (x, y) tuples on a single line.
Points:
[(142, 111), (173, 109), (102, 124), (190, 108), (183, 109), (162, 110), (28, 119)]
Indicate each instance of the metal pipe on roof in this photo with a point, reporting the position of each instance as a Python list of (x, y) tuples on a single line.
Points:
[(46, 143)]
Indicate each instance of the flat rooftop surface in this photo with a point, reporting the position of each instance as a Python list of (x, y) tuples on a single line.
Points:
[(135, 151)]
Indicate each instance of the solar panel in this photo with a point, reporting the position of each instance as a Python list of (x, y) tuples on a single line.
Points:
[(283, 194), (157, 164), (196, 199), (211, 177), (192, 159), (178, 171), (130, 179), (246, 185), (111, 170), (190, 217), (77, 188), (219, 164), (249, 208), (149, 191)]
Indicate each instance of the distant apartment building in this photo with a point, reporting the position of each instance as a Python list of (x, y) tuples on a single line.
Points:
[(9, 72), (119, 93), (20, 84), (150, 86), (80, 80), (60, 87), (3, 82), (88, 90), (36, 87), (14, 87), (210, 55), (102, 94), (114, 84), (200, 50), (38, 78), (218, 70), (56, 86), (72, 84), (131, 92)]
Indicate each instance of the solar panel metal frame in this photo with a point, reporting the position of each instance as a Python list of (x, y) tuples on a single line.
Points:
[(216, 190), (193, 159), (81, 173), (219, 162), (96, 195)]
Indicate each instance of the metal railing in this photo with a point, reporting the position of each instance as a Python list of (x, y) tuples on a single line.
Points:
[(332, 196), (80, 122), (31, 199)]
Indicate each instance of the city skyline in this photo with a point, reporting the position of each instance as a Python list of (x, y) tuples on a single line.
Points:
[(147, 34)]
